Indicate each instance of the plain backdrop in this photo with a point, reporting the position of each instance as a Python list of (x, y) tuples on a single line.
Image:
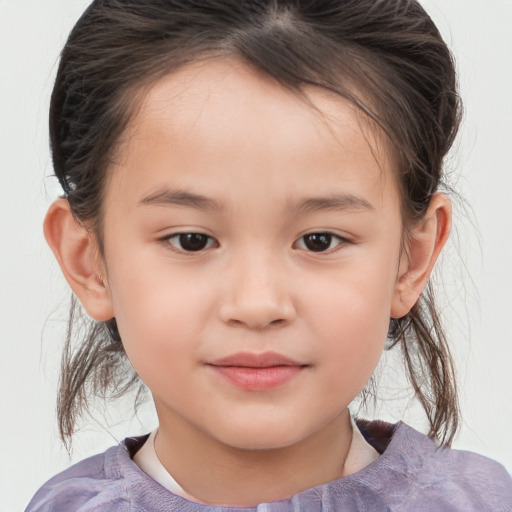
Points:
[(476, 272)]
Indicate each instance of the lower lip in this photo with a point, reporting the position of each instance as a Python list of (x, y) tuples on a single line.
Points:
[(259, 379)]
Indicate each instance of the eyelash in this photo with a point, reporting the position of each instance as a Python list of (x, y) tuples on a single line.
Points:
[(178, 237), (331, 237), (323, 236)]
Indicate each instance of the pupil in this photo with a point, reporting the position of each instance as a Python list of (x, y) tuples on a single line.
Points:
[(193, 241), (318, 242)]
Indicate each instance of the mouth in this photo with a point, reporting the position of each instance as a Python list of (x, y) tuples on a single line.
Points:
[(257, 372)]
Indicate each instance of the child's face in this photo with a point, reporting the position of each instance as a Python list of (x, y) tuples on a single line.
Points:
[(220, 151)]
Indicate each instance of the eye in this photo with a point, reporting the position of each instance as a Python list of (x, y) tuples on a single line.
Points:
[(319, 242), (190, 242)]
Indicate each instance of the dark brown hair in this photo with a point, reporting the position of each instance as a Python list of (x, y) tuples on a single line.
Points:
[(385, 56)]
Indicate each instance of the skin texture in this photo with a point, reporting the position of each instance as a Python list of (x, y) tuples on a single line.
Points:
[(272, 169)]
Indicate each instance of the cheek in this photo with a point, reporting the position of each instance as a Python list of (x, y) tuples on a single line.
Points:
[(356, 328), (158, 316), (356, 298), (351, 353), (351, 313)]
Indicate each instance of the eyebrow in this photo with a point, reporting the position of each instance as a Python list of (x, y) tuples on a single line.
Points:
[(313, 204), (180, 198), (334, 202)]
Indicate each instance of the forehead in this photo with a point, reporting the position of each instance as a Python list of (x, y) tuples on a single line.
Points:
[(221, 115)]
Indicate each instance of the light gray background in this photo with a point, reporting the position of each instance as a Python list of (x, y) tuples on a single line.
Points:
[(33, 297)]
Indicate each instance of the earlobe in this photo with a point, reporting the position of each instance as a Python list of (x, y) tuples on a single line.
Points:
[(75, 250), (424, 245)]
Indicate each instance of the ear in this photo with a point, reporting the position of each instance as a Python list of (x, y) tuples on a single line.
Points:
[(76, 252), (420, 254)]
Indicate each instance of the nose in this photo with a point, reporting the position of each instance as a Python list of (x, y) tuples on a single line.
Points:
[(259, 294)]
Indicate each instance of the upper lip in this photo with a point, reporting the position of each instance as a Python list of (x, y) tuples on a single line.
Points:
[(252, 360)]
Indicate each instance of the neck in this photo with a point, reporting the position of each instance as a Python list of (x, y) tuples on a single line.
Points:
[(215, 473)]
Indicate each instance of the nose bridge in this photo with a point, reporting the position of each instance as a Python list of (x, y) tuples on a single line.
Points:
[(258, 294)]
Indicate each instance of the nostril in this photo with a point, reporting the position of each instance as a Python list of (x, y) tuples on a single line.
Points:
[(256, 313), (257, 325)]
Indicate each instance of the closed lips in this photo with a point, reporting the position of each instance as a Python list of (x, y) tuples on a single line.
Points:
[(257, 372), (251, 360)]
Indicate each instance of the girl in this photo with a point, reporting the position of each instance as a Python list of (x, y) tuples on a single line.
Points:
[(251, 211)]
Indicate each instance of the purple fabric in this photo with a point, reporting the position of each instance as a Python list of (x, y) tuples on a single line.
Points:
[(412, 474)]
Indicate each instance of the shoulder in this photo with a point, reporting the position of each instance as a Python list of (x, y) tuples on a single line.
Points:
[(94, 484), (473, 480), (423, 473)]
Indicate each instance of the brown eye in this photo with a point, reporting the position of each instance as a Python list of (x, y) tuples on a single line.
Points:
[(319, 242), (191, 242)]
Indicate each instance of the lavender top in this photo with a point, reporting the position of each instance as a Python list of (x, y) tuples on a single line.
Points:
[(412, 474)]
